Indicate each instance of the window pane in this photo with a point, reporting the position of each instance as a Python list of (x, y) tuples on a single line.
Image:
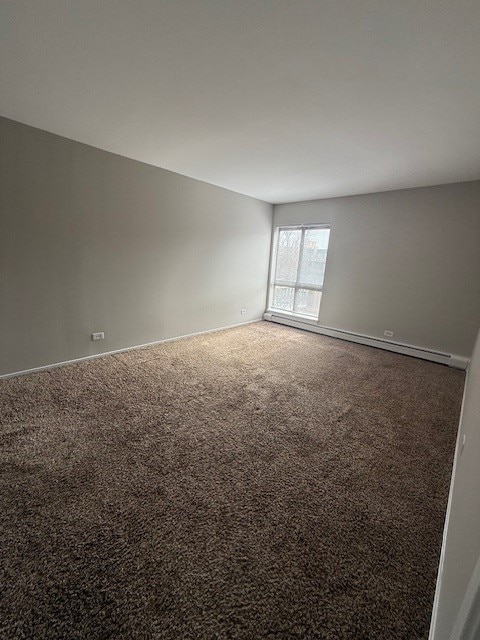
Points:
[(288, 253), (314, 256), (301, 255), (308, 302), (283, 298)]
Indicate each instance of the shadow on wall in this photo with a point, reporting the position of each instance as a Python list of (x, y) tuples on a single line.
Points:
[(456, 614)]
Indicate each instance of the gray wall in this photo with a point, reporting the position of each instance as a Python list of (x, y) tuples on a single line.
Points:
[(91, 241), (407, 261), (462, 548)]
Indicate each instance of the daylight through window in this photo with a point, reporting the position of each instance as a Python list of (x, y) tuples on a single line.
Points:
[(297, 283)]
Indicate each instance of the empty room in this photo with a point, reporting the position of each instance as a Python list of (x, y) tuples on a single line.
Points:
[(239, 318)]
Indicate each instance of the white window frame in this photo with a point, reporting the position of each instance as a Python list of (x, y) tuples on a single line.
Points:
[(297, 284)]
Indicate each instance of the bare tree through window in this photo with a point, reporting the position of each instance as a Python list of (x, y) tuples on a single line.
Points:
[(301, 256)]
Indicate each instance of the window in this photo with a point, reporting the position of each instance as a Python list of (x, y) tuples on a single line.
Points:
[(299, 268)]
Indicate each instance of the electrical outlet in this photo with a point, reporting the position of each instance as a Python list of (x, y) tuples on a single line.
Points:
[(243, 311), (388, 334), (98, 336)]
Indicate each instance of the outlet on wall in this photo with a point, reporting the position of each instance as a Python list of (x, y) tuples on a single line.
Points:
[(98, 336), (388, 334), (243, 311)]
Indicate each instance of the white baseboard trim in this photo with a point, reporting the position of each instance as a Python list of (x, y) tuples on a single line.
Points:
[(435, 631), (452, 360), (55, 365)]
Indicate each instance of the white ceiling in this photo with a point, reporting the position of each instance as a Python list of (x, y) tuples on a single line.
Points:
[(279, 99)]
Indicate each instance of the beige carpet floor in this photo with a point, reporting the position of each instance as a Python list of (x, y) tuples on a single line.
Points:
[(259, 482)]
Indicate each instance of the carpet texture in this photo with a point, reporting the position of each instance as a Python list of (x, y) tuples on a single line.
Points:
[(259, 482)]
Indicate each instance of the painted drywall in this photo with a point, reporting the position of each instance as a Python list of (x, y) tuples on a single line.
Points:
[(406, 261), (281, 99), (91, 241), (461, 549)]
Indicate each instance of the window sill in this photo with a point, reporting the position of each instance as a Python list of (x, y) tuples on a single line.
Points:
[(294, 316)]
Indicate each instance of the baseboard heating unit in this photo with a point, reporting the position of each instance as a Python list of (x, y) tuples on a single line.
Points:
[(452, 360)]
